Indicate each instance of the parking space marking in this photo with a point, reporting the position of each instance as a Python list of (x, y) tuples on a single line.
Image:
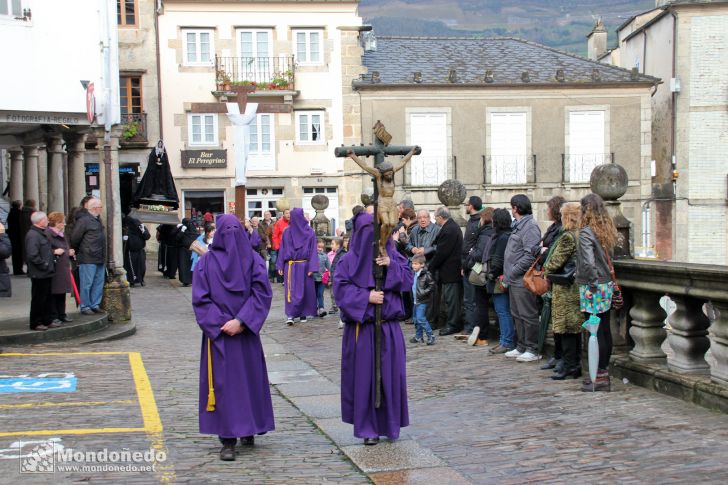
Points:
[(63, 404)]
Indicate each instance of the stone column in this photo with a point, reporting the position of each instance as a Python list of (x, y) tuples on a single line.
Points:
[(55, 175), (689, 336), (117, 299), (719, 343), (320, 221), (16, 174), (30, 177), (76, 148), (648, 320), (43, 178)]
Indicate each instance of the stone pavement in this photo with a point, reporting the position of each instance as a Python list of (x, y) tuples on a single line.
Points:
[(475, 418)]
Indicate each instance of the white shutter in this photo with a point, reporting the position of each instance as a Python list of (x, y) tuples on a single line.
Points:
[(508, 148), (586, 144), (429, 131)]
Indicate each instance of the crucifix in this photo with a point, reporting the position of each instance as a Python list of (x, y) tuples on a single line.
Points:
[(385, 215), (241, 124)]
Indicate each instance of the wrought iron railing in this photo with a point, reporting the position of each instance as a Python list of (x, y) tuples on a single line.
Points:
[(429, 171), (263, 72), (511, 169), (134, 128), (577, 167)]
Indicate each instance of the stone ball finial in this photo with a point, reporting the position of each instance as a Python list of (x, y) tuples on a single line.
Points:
[(451, 193), (283, 204), (609, 181), (320, 202)]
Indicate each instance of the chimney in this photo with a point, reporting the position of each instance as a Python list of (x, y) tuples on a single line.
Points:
[(596, 43)]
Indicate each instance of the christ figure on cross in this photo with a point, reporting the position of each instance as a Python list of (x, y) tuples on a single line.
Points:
[(387, 212)]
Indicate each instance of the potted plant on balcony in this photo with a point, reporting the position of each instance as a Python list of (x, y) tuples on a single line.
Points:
[(250, 86), (131, 130), (223, 81)]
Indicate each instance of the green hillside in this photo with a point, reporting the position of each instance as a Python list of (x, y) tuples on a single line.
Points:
[(561, 24)]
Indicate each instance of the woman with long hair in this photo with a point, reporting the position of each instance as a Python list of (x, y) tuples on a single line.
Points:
[(494, 285), (553, 232), (566, 315), (597, 239)]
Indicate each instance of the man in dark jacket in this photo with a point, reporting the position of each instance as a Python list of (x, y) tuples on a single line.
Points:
[(446, 263), (6, 249), (473, 207), (89, 241), (518, 257), (15, 234), (135, 236), (25, 224), (40, 259)]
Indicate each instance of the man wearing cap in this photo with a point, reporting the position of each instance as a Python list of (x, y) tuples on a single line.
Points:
[(473, 208)]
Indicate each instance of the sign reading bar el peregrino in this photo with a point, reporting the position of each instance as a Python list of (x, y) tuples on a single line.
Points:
[(204, 158)]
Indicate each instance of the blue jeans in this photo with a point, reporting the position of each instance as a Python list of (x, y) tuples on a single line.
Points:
[(319, 295), (92, 285), (421, 324), (502, 305)]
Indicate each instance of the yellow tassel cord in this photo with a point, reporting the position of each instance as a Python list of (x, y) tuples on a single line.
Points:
[(290, 268), (210, 384), (356, 339)]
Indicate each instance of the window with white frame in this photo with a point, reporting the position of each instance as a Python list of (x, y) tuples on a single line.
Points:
[(508, 148), (308, 47), (310, 127), (586, 144), (255, 55), (198, 47), (202, 129), (261, 146), (429, 131)]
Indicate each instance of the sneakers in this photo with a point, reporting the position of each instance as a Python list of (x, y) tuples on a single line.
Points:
[(289, 321), (341, 324), (513, 354), (415, 340), (527, 357), (87, 311), (474, 335), (303, 319), (54, 324), (431, 340), (322, 313), (498, 349), (333, 310)]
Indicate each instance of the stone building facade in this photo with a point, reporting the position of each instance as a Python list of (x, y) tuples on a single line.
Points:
[(507, 116), (298, 55), (685, 43)]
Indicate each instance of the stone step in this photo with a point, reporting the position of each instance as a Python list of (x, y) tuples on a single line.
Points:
[(17, 332), (114, 331)]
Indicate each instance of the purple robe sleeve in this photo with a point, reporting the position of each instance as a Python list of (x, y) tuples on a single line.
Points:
[(313, 261), (254, 238), (256, 308), (399, 275), (352, 300), (209, 316)]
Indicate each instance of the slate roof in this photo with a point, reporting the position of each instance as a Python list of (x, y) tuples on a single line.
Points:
[(397, 58)]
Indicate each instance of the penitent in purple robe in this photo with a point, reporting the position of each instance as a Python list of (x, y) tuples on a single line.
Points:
[(231, 281), (353, 280), (297, 257)]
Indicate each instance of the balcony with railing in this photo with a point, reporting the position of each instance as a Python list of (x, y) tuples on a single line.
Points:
[(270, 74), (134, 129), (429, 171), (577, 167)]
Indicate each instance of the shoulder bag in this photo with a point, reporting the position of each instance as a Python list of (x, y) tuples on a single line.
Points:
[(534, 280), (477, 276)]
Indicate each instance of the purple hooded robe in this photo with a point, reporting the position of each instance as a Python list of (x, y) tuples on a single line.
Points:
[(352, 282), (231, 281), (297, 257)]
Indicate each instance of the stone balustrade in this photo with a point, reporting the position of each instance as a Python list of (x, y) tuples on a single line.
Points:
[(690, 332)]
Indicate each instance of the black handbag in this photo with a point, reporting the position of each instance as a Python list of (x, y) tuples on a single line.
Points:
[(567, 274)]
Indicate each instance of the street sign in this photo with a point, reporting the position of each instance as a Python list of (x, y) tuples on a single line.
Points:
[(90, 103)]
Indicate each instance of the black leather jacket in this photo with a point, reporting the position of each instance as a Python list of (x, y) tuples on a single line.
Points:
[(425, 287), (38, 254)]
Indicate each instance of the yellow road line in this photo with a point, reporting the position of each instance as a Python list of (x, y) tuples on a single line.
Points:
[(56, 354), (150, 414), (45, 432), (63, 404)]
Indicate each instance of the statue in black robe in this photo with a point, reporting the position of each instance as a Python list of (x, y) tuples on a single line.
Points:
[(157, 185)]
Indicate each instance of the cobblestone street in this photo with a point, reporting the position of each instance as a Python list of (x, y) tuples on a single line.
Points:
[(475, 418)]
